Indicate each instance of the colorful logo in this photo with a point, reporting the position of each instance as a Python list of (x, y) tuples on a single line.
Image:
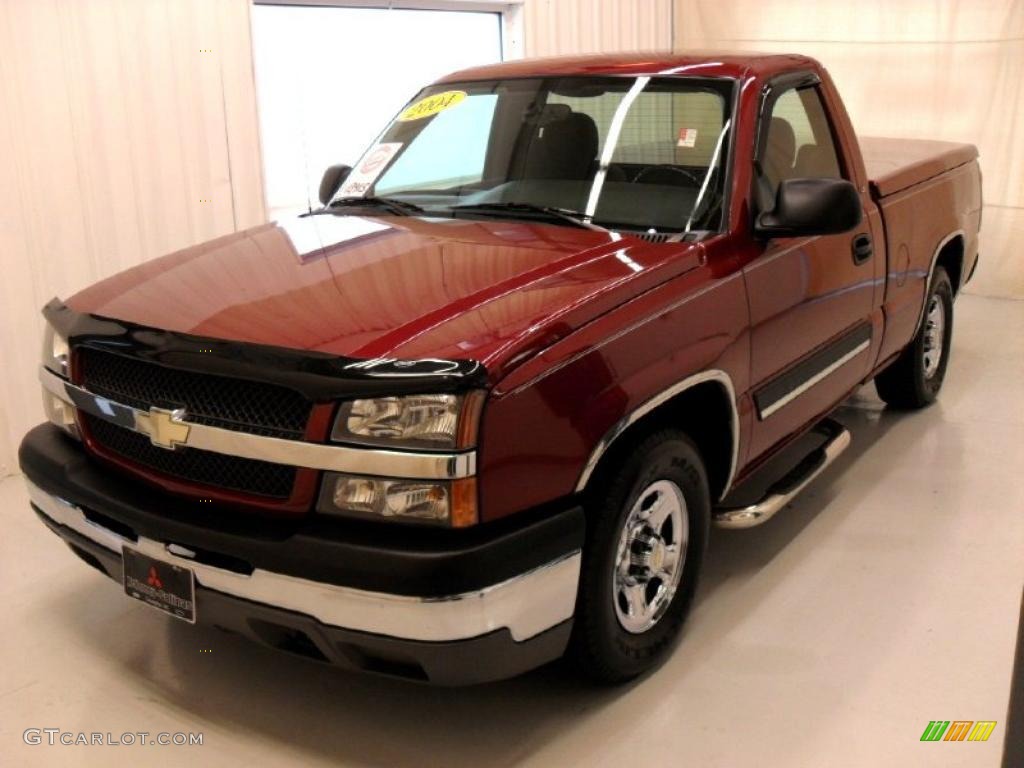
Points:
[(958, 730)]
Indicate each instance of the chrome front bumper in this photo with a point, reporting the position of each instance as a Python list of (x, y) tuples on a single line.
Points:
[(525, 605)]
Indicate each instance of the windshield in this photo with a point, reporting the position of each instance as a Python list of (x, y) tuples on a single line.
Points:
[(644, 153)]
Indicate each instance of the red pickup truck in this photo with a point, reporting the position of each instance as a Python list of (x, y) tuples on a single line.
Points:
[(479, 410)]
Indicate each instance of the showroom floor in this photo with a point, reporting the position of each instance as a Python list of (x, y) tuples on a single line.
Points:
[(886, 596)]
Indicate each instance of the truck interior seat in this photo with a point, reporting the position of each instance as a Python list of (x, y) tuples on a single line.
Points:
[(777, 163), (780, 152), (563, 148), (815, 162)]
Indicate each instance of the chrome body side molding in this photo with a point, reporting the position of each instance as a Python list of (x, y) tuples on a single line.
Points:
[(785, 387), (717, 376), (794, 393), (170, 428), (526, 604)]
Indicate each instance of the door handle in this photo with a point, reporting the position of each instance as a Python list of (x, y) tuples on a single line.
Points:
[(862, 249)]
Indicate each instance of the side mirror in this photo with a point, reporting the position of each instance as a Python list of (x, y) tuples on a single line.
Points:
[(806, 207), (332, 180)]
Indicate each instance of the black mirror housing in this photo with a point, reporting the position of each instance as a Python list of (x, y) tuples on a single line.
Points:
[(332, 180), (806, 207)]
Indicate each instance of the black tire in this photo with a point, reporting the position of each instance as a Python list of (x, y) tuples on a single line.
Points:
[(600, 647), (906, 383)]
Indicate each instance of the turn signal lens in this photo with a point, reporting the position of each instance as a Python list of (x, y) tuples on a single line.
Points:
[(464, 512)]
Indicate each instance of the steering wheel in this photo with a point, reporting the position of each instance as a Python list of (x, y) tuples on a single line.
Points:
[(692, 178)]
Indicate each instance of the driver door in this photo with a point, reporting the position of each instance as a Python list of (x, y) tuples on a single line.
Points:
[(810, 297)]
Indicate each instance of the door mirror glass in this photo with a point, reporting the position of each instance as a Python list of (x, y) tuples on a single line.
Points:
[(806, 207), (332, 180)]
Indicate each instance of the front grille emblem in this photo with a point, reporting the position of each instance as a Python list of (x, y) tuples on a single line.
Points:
[(166, 429)]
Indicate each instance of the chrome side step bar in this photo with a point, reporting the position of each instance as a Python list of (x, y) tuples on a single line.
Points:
[(783, 491)]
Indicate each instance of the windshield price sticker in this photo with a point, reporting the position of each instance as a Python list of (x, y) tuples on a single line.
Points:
[(687, 137), (431, 105), (376, 160)]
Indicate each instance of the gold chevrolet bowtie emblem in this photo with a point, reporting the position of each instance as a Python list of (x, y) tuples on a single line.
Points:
[(165, 428)]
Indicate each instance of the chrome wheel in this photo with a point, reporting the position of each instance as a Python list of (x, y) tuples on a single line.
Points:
[(650, 556), (934, 336)]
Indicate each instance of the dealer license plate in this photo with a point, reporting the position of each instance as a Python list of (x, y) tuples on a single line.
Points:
[(168, 587)]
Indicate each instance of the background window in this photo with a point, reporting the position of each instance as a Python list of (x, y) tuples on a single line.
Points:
[(328, 80)]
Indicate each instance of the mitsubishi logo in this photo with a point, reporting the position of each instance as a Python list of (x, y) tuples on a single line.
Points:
[(166, 429), (154, 578)]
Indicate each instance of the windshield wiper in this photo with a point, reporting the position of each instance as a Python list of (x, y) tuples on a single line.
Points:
[(561, 214), (389, 204)]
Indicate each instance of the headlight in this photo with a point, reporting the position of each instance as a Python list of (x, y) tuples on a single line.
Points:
[(441, 502), (56, 355), (56, 358), (422, 422)]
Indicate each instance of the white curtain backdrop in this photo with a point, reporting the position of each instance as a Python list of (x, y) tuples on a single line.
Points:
[(557, 27), (129, 131), (942, 69)]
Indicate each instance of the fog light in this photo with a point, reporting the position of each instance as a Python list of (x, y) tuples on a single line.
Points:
[(441, 502)]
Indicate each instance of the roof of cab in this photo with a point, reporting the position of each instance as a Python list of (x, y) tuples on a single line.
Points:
[(694, 63)]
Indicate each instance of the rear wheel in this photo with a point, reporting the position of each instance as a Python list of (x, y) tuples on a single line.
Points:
[(914, 380), (647, 528)]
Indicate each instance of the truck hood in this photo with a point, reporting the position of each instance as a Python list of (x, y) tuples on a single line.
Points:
[(484, 290)]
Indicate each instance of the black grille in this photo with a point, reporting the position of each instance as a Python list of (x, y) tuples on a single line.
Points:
[(260, 478), (218, 401)]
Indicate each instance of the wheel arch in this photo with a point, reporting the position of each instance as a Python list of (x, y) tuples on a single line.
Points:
[(949, 253), (702, 405), (950, 256)]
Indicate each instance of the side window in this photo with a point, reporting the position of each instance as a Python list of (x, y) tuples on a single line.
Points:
[(799, 142)]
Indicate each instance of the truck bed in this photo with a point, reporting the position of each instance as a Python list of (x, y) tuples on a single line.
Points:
[(896, 164)]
